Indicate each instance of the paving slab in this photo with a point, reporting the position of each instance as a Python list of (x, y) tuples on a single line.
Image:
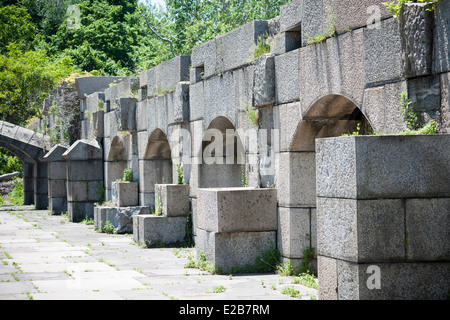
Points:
[(47, 257)]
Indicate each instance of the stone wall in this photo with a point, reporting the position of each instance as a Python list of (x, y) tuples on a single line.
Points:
[(229, 118)]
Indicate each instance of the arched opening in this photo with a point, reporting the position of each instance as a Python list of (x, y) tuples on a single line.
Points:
[(115, 164), (155, 167), (330, 116), (222, 155)]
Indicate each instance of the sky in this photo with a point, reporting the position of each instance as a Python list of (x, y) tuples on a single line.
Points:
[(159, 2)]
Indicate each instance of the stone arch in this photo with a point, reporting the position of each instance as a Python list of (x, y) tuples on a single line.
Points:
[(222, 154), (30, 147), (329, 116), (155, 167), (115, 163)]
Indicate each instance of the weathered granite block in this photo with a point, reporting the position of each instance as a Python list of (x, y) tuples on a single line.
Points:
[(153, 172), (286, 41), (377, 167), (291, 16), (127, 193), (126, 113), (361, 230), (441, 41), (397, 281), (417, 23), (428, 229), (80, 210), (264, 80), (165, 77), (179, 110), (383, 53), (120, 218), (149, 229), (287, 85), (98, 119), (174, 199), (296, 179), (237, 249), (237, 209), (294, 231)]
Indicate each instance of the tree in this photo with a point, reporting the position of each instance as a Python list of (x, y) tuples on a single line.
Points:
[(26, 79), (16, 26)]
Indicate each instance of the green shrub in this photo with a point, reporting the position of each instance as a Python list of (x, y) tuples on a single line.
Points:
[(16, 196), (128, 175)]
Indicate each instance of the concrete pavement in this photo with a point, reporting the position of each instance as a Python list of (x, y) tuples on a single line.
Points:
[(45, 257)]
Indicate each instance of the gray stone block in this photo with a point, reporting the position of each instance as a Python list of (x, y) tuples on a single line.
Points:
[(204, 58), (264, 80), (237, 209), (445, 103), (84, 150), (57, 205), (174, 199), (286, 41), (57, 188), (328, 69), (287, 85), (84, 190), (165, 77), (98, 119), (291, 15), (417, 23), (124, 87), (399, 281), (441, 41), (229, 51), (91, 170), (361, 231), (354, 14), (237, 249), (179, 110), (312, 19), (383, 53), (382, 109), (153, 229), (196, 101), (425, 93), (120, 218), (328, 284), (80, 210), (88, 85), (294, 231), (126, 114), (154, 172), (383, 167), (296, 179), (127, 193), (428, 229)]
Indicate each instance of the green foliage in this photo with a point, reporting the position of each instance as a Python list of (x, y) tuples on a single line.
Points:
[(262, 46), (268, 262), (9, 163), (25, 80), (16, 26), (179, 173), (395, 7), (429, 128), (108, 228), (409, 115), (16, 196), (128, 175)]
